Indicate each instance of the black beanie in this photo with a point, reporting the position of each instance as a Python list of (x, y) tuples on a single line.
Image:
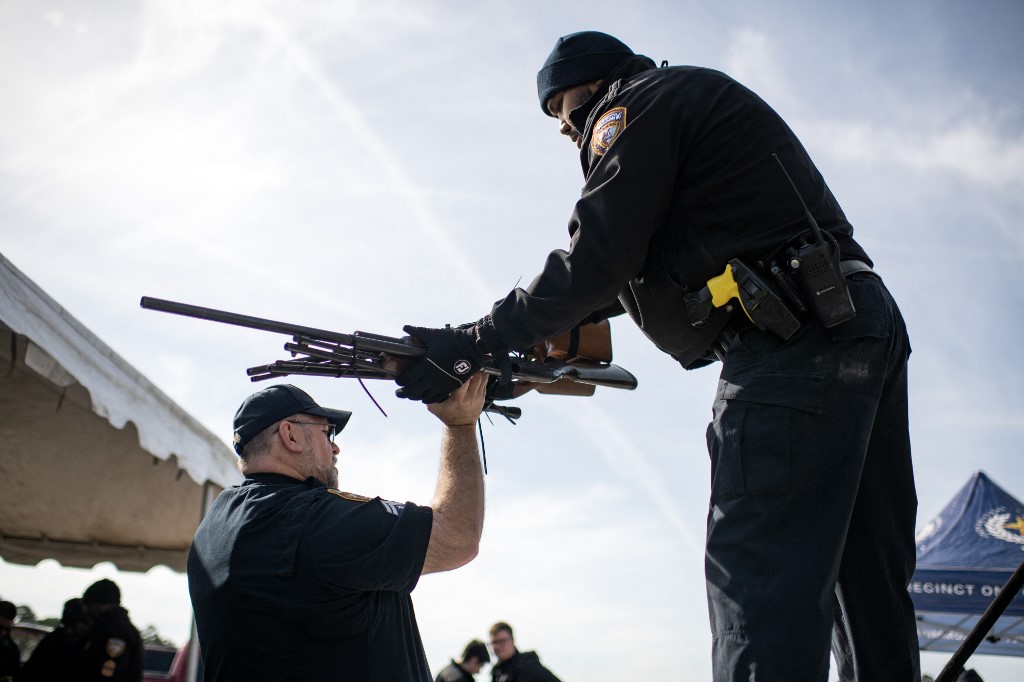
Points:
[(102, 592), (579, 58)]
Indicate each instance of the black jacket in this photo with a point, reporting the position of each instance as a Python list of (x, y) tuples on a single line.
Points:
[(10, 658), (58, 656), (453, 672), (113, 649), (679, 180), (524, 666)]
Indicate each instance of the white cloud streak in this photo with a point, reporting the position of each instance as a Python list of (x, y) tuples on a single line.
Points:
[(613, 441)]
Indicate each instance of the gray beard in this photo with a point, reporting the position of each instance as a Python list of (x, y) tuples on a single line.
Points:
[(328, 475)]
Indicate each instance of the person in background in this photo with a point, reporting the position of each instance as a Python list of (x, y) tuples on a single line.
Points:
[(113, 646), (514, 665), (10, 656), (60, 654), (474, 657)]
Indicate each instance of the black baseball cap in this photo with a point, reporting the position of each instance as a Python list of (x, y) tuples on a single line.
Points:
[(273, 404)]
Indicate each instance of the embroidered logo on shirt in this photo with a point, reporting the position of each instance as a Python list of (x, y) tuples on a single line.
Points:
[(393, 508), (606, 129), (348, 496)]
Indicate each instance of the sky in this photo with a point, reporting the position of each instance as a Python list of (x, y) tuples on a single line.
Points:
[(353, 165)]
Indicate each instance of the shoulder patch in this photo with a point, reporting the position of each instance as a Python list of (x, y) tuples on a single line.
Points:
[(393, 508), (348, 496), (606, 129), (115, 647)]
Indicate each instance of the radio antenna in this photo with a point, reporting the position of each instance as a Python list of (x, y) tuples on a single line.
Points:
[(807, 212)]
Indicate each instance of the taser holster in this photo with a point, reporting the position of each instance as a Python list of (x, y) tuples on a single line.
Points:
[(759, 302)]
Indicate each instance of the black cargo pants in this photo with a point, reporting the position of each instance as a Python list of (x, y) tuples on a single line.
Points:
[(810, 534)]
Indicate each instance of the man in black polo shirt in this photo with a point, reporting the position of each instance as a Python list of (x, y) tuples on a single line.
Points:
[(290, 578)]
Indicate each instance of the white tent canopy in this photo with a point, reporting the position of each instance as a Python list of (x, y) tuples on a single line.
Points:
[(96, 463)]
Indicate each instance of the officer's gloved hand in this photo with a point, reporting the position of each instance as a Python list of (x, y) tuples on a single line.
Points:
[(452, 357)]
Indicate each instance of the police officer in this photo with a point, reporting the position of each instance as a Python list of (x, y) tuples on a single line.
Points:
[(291, 578), (112, 647), (813, 504)]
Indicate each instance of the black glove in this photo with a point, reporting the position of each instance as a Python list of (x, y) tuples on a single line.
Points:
[(452, 357)]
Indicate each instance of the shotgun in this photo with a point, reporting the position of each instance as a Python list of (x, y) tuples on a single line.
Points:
[(574, 363)]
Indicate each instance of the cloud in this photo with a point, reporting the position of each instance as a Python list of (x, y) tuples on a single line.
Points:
[(976, 152), (947, 128), (751, 58), (616, 445), (175, 138), (577, 561), (53, 17)]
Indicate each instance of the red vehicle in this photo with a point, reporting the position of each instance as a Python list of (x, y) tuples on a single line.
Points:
[(167, 663), (157, 662)]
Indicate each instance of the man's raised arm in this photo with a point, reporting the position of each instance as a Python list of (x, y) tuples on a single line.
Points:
[(458, 503)]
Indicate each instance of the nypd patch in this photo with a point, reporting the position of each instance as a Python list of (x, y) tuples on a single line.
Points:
[(606, 129)]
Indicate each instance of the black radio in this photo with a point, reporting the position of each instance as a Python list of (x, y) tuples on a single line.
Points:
[(815, 265)]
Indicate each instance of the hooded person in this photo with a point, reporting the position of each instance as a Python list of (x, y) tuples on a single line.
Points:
[(59, 655), (112, 647)]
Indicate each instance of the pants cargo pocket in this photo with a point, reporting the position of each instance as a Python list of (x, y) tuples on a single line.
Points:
[(761, 439)]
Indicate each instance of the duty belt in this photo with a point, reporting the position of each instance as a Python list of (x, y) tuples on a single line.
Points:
[(762, 295), (853, 266)]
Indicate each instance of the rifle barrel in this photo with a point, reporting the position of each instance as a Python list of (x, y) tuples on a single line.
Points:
[(340, 359), (394, 346), (287, 367)]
